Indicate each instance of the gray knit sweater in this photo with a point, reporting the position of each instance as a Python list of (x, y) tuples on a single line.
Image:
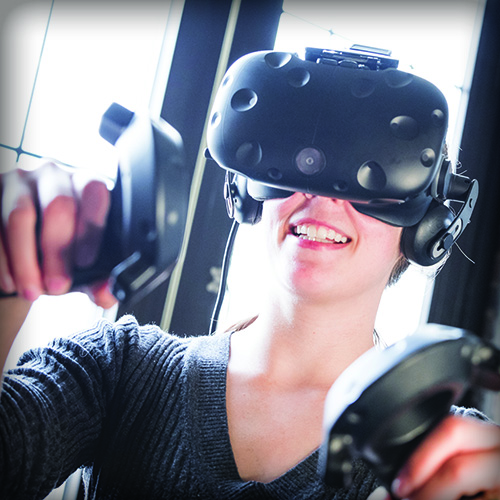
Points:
[(143, 412)]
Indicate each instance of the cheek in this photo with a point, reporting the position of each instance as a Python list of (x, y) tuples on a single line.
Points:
[(281, 208), (390, 241), (275, 213), (382, 236), (384, 246), (270, 228)]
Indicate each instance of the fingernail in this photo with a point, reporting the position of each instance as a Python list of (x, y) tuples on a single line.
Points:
[(58, 285), (31, 294), (399, 488), (7, 283), (24, 201)]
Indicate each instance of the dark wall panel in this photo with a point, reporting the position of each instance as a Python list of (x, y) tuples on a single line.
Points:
[(465, 292), (255, 30)]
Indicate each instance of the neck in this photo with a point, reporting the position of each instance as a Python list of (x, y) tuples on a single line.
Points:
[(303, 341)]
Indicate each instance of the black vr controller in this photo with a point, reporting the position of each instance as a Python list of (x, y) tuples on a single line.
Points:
[(383, 406), (344, 125), (145, 225)]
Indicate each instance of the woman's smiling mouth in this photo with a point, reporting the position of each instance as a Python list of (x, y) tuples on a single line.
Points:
[(319, 233)]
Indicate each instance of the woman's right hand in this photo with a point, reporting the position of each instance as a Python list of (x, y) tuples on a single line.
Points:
[(52, 219)]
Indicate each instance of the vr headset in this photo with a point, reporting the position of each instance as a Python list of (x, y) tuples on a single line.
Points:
[(341, 124)]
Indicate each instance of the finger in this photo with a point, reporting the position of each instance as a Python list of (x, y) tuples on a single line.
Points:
[(454, 435), (56, 242), (94, 206), (20, 243), (7, 284), (59, 212), (101, 295), (463, 475)]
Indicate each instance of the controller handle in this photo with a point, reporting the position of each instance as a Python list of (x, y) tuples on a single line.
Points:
[(145, 225)]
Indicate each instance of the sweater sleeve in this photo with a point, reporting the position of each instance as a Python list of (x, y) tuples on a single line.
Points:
[(54, 404)]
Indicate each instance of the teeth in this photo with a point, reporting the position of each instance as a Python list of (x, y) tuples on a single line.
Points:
[(321, 234)]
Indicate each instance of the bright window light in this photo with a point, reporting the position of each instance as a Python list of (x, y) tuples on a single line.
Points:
[(431, 39), (66, 62)]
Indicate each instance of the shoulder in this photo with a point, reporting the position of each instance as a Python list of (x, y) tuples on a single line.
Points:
[(123, 350), (122, 336), (125, 343), (109, 347), (106, 335)]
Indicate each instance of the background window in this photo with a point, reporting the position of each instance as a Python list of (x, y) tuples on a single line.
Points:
[(63, 63)]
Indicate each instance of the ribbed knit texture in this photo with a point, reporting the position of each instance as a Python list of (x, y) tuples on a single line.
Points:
[(144, 412)]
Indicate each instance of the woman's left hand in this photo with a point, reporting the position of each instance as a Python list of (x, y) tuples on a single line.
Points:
[(460, 458)]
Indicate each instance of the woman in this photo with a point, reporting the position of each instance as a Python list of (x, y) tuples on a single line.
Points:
[(258, 393)]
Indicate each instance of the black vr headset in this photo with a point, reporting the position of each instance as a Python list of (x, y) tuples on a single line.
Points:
[(341, 124)]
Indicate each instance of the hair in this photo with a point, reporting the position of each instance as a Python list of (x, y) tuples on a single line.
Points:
[(241, 325), (402, 264)]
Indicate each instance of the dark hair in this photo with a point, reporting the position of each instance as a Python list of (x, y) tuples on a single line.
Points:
[(402, 264)]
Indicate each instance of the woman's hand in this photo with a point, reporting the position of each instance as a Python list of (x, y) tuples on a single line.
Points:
[(70, 210), (460, 459)]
